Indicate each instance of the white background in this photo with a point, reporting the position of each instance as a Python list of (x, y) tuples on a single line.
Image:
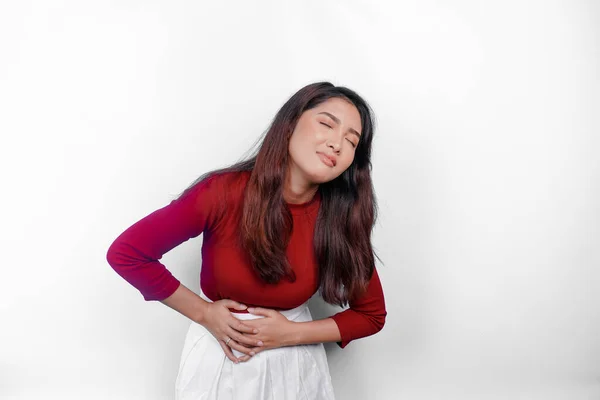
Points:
[(485, 165)]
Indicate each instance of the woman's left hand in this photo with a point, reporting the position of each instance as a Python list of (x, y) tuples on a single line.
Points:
[(274, 330)]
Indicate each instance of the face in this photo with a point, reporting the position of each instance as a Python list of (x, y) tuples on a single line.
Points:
[(324, 141)]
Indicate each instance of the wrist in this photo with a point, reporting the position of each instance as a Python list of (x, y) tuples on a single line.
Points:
[(200, 311), (294, 335)]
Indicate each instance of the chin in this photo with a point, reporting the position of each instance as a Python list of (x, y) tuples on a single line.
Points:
[(319, 177)]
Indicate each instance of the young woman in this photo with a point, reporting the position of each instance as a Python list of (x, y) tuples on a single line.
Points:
[(294, 219)]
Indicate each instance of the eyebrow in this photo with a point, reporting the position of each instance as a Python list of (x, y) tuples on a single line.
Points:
[(337, 121)]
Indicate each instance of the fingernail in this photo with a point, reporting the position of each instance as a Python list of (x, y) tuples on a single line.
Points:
[(251, 309), (255, 331), (252, 353), (260, 343), (243, 306)]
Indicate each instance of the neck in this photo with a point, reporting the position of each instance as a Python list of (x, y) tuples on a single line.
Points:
[(298, 191)]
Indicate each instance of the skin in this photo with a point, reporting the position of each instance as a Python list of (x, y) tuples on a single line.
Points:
[(314, 133)]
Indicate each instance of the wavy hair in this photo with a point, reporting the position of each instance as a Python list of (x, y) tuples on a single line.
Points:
[(342, 238)]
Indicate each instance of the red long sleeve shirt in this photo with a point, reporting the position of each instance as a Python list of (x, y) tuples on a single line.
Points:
[(225, 272)]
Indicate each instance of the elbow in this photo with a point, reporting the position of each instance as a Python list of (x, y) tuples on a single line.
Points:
[(110, 255), (380, 324), (120, 257), (113, 255), (378, 321)]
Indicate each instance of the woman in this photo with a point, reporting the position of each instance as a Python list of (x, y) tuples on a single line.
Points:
[(293, 219)]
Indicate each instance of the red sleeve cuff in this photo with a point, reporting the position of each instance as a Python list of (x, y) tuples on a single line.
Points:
[(165, 291), (344, 321)]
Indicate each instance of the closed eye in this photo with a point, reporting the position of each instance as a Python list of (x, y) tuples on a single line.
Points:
[(351, 142)]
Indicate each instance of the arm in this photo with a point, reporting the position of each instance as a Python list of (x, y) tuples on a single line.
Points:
[(277, 331), (187, 303), (365, 317), (319, 331), (136, 252)]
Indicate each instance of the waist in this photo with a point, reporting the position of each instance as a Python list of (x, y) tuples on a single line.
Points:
[(290, 314)]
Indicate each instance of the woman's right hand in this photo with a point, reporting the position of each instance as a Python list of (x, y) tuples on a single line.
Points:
[(217, 319)]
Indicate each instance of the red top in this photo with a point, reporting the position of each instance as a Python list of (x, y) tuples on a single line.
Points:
[(225, 273)]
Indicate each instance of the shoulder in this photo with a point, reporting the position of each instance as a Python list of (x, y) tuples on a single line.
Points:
[(227, 182), (221, 189), (215, 195)]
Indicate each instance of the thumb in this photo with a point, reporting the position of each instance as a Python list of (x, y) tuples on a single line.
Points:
[(234, 304)]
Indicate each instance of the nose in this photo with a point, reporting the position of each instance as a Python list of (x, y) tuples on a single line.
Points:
[(334, 145)]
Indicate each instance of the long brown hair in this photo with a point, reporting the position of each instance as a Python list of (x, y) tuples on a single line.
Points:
[(342, 239)]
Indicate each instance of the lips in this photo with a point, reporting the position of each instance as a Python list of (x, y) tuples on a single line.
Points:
[(327, 160)]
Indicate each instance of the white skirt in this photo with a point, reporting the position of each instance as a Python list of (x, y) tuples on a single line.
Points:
[(296, 372)]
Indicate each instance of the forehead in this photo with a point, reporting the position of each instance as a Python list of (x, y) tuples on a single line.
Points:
[(341, 109), (337, 104)]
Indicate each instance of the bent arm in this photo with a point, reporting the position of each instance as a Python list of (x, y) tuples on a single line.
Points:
[(365, 317), (318, 331), (135, 254)]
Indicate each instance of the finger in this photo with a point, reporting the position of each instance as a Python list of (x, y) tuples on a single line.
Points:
[(242, 349), (241, 326), (256, 350), (245, 358), (248, 341), (228, 351), (261, 311), (233, 304)]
